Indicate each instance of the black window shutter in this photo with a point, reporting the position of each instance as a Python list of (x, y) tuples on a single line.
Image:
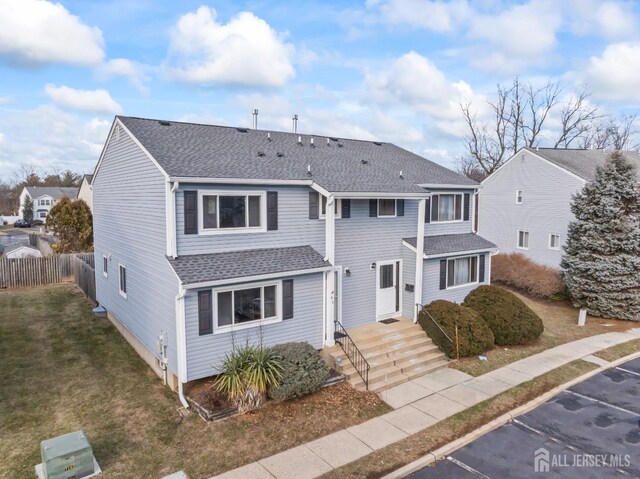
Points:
[(287, 299), (400, 207), (205, 312), (434, 208), (373, 208), (466, 206), (190, 212), (427, 211), (314, 205), (272, 210), (481, 269), (443, 274), (346, 208)]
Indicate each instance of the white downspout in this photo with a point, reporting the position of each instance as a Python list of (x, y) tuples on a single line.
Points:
[(419, 258), (181, 344), (330, 239)]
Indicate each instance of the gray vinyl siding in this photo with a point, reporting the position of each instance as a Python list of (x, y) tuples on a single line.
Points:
[(408, 277), (458, 227), (205, 353), (294, 226), (431, 282), (545, 209), (361, 241), (129, 224)]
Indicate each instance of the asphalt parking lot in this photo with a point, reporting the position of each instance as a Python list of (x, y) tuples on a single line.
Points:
[(591, 430)]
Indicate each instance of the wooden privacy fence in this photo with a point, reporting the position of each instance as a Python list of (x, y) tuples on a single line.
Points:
[(31, 271)]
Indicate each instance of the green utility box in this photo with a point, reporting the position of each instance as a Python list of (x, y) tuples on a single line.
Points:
[(67, 457)]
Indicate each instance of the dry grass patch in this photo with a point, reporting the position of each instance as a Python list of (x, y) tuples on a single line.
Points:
[(619, 351), (560, 320), (64, 370), (414, 447)]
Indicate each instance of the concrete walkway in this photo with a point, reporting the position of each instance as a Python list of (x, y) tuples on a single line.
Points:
[(419, 404)]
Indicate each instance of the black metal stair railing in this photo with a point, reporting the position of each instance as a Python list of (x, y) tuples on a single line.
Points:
[(352, 352)]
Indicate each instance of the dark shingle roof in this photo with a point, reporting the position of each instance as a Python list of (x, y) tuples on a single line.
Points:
[(199, 268), (338, 165), (56, 192), (582, 162), (444, 244)]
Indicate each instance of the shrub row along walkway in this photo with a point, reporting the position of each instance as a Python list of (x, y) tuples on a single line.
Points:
[(419, 404)]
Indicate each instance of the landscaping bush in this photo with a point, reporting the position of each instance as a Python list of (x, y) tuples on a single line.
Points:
[(518, 271), (303, 371), (474, 335), (511, 321)]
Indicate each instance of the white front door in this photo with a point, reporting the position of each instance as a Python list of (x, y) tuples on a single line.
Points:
[(387, 289)]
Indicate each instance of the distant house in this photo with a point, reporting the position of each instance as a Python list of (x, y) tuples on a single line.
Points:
[(525, 206), (21, 251), (85, 192), (44, 197)]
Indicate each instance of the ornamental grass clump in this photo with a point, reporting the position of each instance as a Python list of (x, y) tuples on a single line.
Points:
[(247, 374)]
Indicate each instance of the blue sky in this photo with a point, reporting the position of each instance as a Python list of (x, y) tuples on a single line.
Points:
[(394, 70)]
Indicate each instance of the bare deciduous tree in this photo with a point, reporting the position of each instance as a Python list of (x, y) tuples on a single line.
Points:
[(617, 134)]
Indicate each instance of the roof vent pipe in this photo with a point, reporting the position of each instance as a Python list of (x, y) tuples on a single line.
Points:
[(299, 139), (295, 122), (255, 118), (269, 135), (312, 145)]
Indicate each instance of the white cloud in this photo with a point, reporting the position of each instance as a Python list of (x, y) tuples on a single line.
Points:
[(437, 16), (5, 100), (133, 71), (92, 101), (615, 75), (34, 32), (48, 137), (613, 20), (245, 51)]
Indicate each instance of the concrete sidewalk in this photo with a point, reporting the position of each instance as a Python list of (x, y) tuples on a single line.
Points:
[(419, 404)]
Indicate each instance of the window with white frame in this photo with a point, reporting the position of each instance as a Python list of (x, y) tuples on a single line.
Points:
[(249, 305), (105, 266), (519, 197), (337, 203), (523, 239), (387, 207), (461, 271), (122, 284), (42, 214), (448, 207), (222, 211), (554, 241)]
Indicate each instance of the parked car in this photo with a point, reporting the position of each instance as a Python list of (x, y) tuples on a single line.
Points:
[(37, 223), (22, 224)]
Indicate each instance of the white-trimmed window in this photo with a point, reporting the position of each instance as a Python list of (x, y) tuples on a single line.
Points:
[(523, 239), (232, 211), (105, 266), (462, 271), (337, 203), (42, 214), (122, 280), (519, 197), (248, 306), (446, 208), (554, 241), (387, 208)]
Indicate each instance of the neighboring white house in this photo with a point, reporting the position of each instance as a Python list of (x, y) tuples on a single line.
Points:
[(86, 191), (21, 251), (525, 206), (44, 197)]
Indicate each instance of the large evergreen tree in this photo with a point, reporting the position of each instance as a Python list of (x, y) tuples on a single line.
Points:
[(72, 223), (27, 209), (601, 262)]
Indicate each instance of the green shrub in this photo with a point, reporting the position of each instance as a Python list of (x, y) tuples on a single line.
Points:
[(474, 335), (303, 371), (511, 321), (247, 374)]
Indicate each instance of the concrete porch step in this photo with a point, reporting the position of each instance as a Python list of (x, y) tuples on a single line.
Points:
[(408, 373)]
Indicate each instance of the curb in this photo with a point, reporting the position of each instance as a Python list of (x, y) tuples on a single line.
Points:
[(453, 446)]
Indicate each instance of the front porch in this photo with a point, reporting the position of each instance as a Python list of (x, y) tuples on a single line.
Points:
[(396, 351)]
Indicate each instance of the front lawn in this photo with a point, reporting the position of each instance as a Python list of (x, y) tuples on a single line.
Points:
[(560, 320), (64, 370)]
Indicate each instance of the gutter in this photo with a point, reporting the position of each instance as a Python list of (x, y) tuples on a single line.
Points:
[(181, 343)]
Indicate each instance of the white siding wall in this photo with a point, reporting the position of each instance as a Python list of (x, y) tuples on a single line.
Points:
[(205, 353), (408, 277), (129, 224), (545, 209)]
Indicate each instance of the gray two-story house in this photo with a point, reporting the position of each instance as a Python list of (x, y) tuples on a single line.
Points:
[(210, 236)]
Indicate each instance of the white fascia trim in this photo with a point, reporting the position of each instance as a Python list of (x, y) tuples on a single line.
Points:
[(411, 247), (456, 254), (379, 195), (238, 181), (319, 189), (117, 122), (261, 277), (450, 186)]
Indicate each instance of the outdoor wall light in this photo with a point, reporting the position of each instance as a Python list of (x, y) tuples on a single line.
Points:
[(347, 272), (373, 266)]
